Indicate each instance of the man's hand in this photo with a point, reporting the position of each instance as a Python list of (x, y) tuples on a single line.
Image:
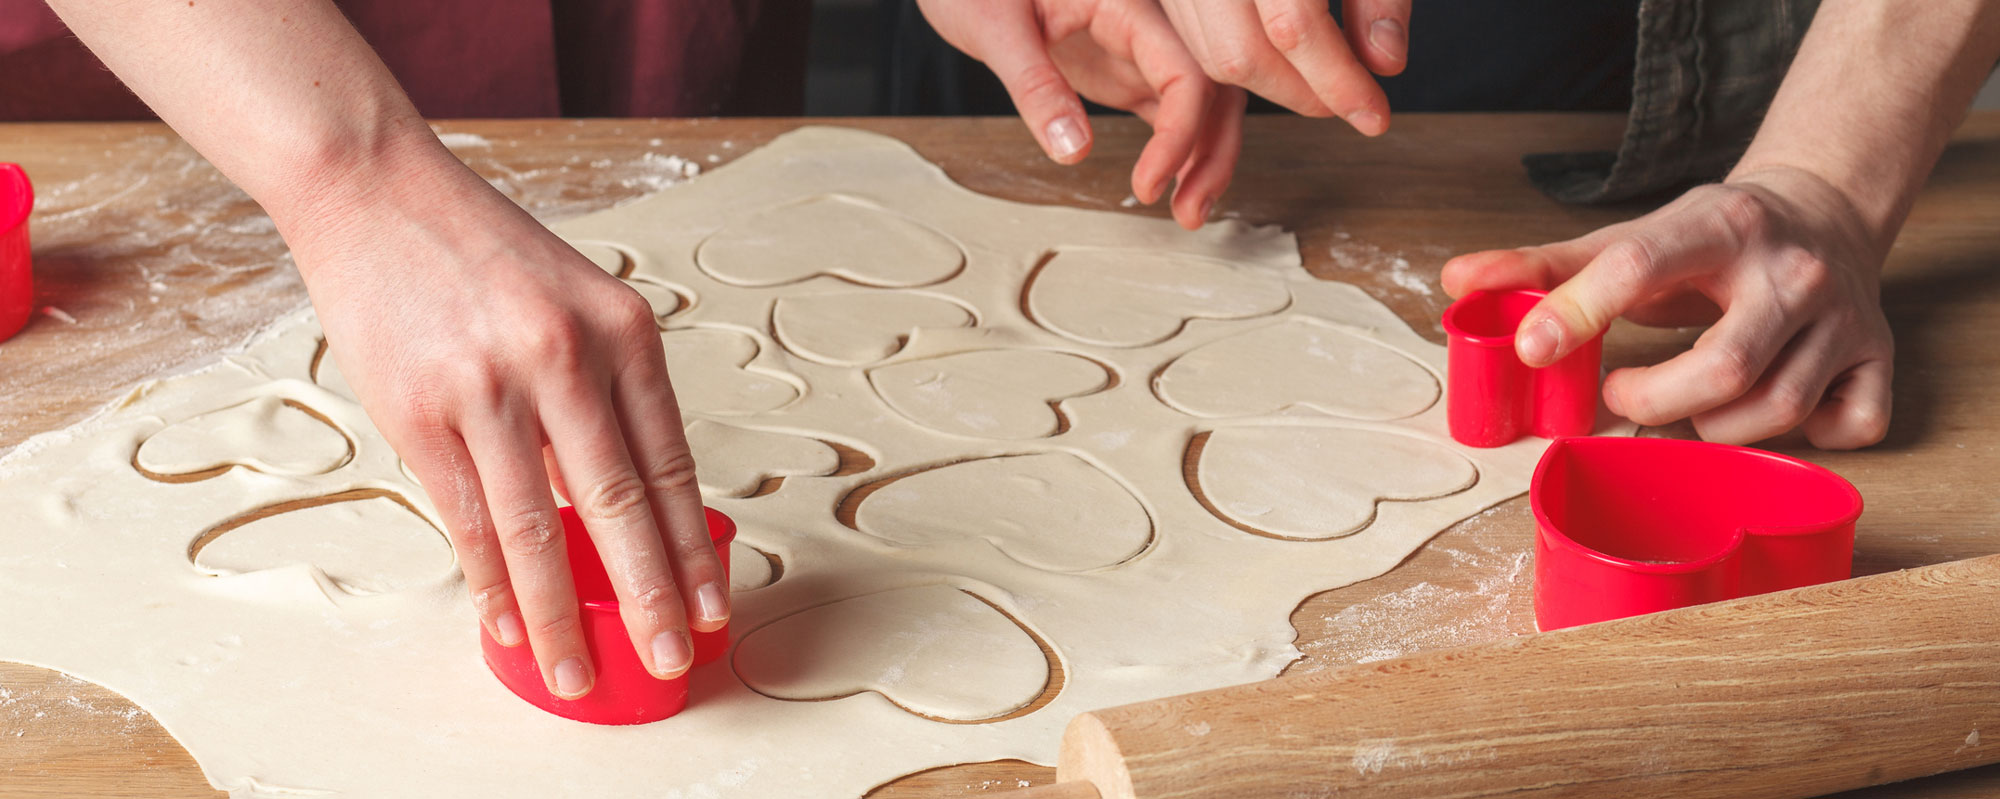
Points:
[(496, 359), (1119, 53), (1779, 255), (1292, 52)]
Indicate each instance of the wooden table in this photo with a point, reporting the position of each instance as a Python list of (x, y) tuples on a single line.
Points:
[(159, 262)]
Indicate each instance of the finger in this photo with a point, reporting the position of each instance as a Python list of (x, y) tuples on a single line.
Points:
[(1303, 32), (1379, 31), (1624, 274), (1541, 267), (446, 471), (1019, 56), (1185, 97), (1855, 413), (503, 443), (615, 507), (659, 445), (1206, 175), (1239, 53), (1724, 364), (1787, 393)]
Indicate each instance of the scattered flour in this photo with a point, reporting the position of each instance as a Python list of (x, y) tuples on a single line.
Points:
[(1392, 267), (1492, 576)]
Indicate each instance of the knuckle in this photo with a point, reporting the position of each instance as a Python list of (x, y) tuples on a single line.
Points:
[(632, 317), (1731, 372), (1234, 64), (1790, 403), (1869, 423), (654, 591), (1805, 272), (555, 340), (557, 627), (1041, 84), (531, 534), (616, 499), (670, 471), (492, 597), (1287, 30)]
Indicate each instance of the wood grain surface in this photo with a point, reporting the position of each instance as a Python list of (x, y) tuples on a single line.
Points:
[(1383, 214)]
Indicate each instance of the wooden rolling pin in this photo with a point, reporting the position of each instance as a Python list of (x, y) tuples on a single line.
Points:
[(1794, 694)]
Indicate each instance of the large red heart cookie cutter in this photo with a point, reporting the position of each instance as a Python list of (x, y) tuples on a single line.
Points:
[(17, 282), (624, 692), (1493, 398), (1627, 526)]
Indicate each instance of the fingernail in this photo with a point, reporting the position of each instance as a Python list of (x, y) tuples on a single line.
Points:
[(1368, 122), (711, 604), (512, 631), (1388, 36), (1538, 346), (1206, 207), (671, 654), (1065, 137), (572, 678)]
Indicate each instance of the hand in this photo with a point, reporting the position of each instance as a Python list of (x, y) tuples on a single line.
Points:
[(1119, 53), (1781, 264), (475, 337), (1292, 53)]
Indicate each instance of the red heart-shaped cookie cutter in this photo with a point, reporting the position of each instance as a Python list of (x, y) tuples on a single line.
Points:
[(17, 284), (1638, 525)]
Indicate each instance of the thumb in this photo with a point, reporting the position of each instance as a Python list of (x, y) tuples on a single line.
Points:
[(1017, 53)]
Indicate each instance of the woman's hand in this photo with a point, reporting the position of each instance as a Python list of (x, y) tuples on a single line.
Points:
[(475, 337), (1119, 53), (1777, 259), (1292, 52)]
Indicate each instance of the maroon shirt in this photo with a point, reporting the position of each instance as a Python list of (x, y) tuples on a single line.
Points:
[(487, 58)]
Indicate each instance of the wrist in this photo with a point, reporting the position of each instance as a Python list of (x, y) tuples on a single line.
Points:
[(1874, 217), (336, 190)]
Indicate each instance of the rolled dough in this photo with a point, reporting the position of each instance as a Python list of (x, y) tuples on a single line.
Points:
[(282, 683)]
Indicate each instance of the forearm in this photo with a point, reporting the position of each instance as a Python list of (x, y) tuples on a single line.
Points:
[(281, 95), (1875, 92)]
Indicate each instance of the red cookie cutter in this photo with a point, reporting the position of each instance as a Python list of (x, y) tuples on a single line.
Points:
[(1494, 398), (1637, 525), (625, 692), (17, 281)]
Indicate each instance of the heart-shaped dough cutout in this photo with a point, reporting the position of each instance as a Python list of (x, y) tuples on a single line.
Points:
[(613, 260), (267, 434), (735, 462), (1053, 511), (364, 542), (707, 366), (933, 650), (859, 327), (1297, 364), (1306, 483), (749, 569), (834, 235), (1004, 394), (1157, 293)]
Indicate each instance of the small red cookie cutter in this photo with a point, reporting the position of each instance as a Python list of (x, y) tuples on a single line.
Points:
[(1494, 398), (1627, 526), (17, 281), (624, 692)]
